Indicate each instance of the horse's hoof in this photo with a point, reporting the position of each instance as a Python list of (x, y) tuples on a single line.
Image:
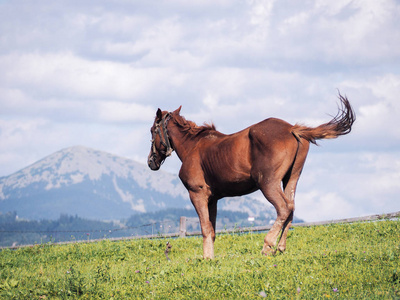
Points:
[(268, 251), (281, 250)]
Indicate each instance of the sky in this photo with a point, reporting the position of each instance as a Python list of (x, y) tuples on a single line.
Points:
[(93, 73)]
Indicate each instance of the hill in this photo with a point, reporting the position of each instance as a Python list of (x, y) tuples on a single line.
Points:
[(98, 185)]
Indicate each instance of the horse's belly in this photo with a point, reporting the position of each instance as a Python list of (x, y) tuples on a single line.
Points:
[(234, 188)]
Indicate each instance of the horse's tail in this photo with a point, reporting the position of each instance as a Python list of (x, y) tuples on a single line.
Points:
[(339, 125)]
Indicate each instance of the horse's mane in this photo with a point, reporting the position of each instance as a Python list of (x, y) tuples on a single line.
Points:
[(190, 127)]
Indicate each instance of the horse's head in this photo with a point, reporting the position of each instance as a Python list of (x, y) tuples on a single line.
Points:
[(160, 144)]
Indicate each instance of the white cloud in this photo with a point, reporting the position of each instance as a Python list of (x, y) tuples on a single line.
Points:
[(317, 206), (364, 183), (210, 101), (332, 32), (66, 75), (14, 133), (124, 112), (16, 138), (260, 12), (378, 110)]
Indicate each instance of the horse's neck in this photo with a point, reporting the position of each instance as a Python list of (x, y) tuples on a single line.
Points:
[(183, 142)]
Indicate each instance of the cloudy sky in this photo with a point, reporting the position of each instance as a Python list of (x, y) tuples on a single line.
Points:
[(93, 73)]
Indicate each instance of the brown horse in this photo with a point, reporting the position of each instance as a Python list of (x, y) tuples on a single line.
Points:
[(268, 156)]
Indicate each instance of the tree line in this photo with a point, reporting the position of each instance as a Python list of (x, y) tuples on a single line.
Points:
[(15, 231)]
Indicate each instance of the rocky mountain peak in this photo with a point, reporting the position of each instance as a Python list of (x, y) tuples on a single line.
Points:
[(97, 185)]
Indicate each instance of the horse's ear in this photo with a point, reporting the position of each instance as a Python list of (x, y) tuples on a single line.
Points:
[(178, 110), (159, 114)]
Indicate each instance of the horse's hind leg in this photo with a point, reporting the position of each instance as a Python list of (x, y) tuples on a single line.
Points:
[(289, 192), (273, 192), (289, 187)]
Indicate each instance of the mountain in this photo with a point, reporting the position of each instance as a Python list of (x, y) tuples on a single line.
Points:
[(98, 185)]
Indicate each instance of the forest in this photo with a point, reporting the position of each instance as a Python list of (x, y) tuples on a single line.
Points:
[(15, 231)]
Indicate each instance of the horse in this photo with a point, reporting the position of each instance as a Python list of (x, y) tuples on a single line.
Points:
[(267, 156)]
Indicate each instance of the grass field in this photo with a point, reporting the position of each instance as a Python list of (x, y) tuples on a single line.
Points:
[(345, 261)]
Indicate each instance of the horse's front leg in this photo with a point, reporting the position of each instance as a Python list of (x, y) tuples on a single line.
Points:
[(207, 212)]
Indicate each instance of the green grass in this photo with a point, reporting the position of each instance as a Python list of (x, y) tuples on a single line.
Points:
[(357, 261)]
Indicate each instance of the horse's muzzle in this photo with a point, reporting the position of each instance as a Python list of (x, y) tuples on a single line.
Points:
[(152, 164)]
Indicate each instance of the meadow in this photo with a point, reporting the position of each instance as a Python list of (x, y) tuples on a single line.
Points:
[(342, 261)]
